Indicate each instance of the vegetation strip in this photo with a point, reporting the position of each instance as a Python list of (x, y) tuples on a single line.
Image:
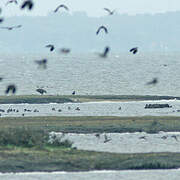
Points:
[(39, 99), (24, 144)]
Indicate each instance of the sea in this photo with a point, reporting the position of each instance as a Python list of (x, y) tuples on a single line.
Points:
[(89, 74)]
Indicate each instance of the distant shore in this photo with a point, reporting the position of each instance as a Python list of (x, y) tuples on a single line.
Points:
[(42, 99)]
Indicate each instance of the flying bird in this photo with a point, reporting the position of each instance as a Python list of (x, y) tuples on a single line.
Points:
[(153, 82), (42, 63), (100, 28), (134, 50), (11, 88), (50, 46), (11, 27), (109, 11), (11, 1), (61, 6), (65, 50), (41, 91), (28, 3), (106, 51)]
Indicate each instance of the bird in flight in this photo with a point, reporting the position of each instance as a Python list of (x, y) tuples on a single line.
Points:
[(11, 88), (61, 6), (28, 3), (11, 27), (42, 63), (153, 82), (50, 46), (65, 50), (134, 50), (106, 51), (11, 1), (100, 28), (41, 91), (109, 11)]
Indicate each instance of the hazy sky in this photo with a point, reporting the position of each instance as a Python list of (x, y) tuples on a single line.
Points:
[(95, 7)]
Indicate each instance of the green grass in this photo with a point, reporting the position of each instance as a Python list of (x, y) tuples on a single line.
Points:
[(34, 99), (24, 147), (89, 124)]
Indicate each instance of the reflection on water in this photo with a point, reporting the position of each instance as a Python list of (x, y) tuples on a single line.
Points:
[(131, 108), (97, 175)]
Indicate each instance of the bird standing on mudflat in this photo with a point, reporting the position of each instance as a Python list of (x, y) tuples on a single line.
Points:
[(153, 82), (42, 63), (41, 91)]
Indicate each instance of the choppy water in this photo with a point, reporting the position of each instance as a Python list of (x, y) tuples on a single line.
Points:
[(96, 175), (132, 108), (89, 74)]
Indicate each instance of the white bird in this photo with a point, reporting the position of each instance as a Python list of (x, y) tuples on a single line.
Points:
[(109, 11)]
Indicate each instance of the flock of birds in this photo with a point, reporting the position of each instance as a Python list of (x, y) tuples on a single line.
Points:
[(42, 63)]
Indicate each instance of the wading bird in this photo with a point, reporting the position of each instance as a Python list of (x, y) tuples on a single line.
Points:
[(153, 82), (134, 50), (42, 63), (11, 88), (11, 27), (61, 6), (41, 91), (100, 28), (50, 46), (28, 3), (109, 11), (106, 51)]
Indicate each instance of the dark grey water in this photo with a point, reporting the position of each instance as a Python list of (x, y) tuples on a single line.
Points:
[(132, 108), (89, 74), (98, 175)]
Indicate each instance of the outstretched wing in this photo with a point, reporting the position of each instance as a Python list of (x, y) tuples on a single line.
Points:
[(61, 6), (102, 27)]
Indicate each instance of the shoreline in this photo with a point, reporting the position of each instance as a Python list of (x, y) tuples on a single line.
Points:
[(44, 99)]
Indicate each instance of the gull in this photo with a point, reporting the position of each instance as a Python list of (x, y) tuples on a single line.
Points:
[(50, 46), (109, 11), (11, 1), (106, 51), (134, 50), (61, 6), (11, 88), (41, 91), (154, 81), (99, 29), (42, 63), (11, 27), (28, 3)]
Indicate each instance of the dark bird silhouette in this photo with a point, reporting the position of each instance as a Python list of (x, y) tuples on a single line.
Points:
[(50, 46), (42, 63), (106, 51), (65, 50), (12, 1), (1, 20), (100, 28), (153, 82), (41, 91), (109, 11), (106, 139), (11, 27), (74, 92), (175, 137), (28, 3), (1, 78), (61, 6), (11, 88), (134, 50)]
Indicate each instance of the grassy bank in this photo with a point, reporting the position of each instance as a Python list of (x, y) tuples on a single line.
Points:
[(24, 147), (38, 99), (90, 124)]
